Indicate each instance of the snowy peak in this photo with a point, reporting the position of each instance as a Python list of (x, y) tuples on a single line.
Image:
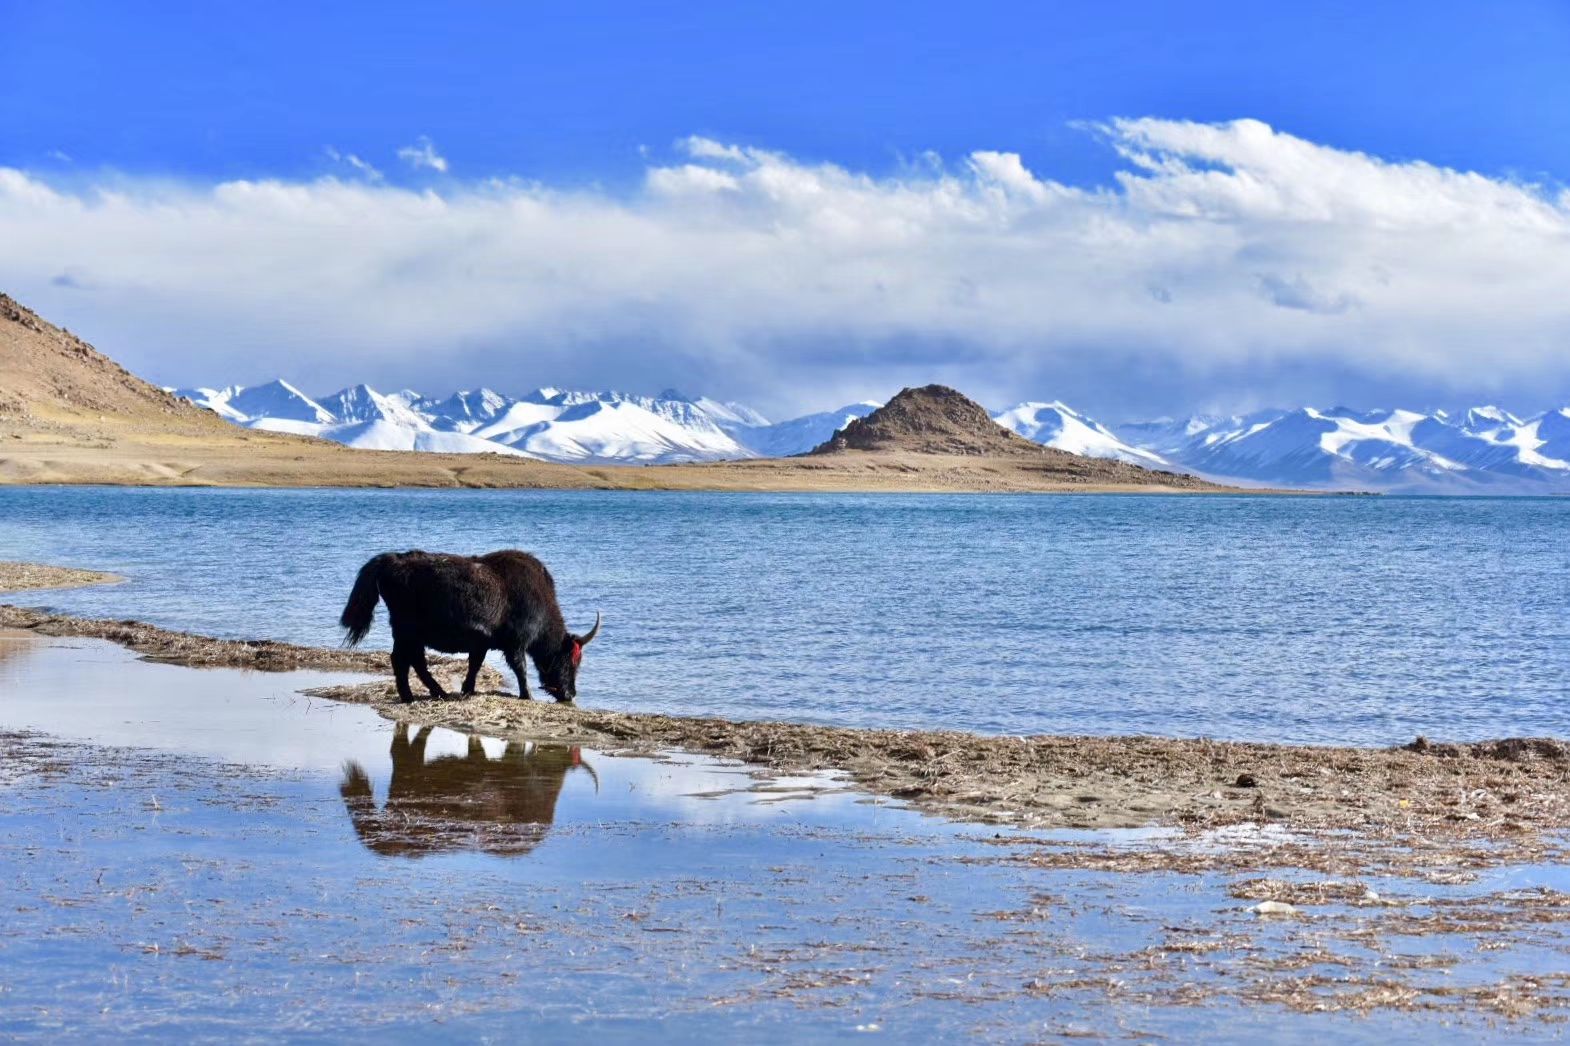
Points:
[(463, 411), (1486, 421), (276, 399), (215, 400), (361, 403), (728, 416), (1057, 425)]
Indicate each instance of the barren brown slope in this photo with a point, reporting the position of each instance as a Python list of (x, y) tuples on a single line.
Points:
[(52, 380), (70, 414)]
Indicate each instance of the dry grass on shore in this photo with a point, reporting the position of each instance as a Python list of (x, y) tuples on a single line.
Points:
[(1510, 794), (193, 651)]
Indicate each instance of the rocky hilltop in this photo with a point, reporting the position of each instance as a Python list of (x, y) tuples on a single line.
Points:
[(933, 419)]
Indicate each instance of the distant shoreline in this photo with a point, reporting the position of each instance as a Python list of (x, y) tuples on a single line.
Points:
[(265, 460)]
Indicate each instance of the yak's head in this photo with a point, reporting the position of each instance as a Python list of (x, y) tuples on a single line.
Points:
[(559, 668)]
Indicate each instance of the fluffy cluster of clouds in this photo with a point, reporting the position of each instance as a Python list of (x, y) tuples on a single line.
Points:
[(1232, 258)]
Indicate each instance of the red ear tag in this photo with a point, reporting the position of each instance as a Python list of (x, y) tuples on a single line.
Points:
[(577, 652)]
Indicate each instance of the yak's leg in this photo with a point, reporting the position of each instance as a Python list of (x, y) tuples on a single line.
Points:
[(515, 662), (400, 663), (408, 760), (423, 670), (400, 741), (476, 659)]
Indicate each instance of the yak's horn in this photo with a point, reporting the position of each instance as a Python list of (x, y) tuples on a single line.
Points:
[(584, 765), (586, 640)]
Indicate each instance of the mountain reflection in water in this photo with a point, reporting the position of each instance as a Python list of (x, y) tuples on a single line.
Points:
[(455, 803)]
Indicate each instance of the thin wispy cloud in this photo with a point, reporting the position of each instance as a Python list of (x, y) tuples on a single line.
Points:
[(422, 155), (355, 163), (1230, 249)]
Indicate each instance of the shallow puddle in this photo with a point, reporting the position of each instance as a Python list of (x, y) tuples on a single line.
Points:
[(208, 853)]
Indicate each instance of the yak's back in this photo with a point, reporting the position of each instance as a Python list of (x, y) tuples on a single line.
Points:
[(472, 593), (420, 570), (521, 572), (442, 586)]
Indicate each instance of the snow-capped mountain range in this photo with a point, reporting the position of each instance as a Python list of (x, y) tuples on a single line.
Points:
[(1481, 450), (548, 424)]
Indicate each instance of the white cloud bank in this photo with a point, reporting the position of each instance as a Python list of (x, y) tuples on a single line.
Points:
[(1229, 248)]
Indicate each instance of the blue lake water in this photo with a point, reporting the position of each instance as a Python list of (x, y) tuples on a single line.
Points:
[(1337, 620)]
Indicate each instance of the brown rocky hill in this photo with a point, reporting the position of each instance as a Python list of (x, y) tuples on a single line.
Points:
[(50, 378), (934, 419)]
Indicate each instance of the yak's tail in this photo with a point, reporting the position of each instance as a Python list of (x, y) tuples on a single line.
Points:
[(361, 608)]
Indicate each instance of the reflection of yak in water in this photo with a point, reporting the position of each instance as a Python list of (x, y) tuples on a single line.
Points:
[(500, 806)]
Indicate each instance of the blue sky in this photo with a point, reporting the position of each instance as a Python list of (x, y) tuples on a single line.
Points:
[(572, 90), (165, 103)]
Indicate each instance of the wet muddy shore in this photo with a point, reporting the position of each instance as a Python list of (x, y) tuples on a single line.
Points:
[(1421, 807)]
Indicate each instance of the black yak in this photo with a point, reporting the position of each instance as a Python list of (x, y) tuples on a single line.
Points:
[(468, 605), (502, 806)]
